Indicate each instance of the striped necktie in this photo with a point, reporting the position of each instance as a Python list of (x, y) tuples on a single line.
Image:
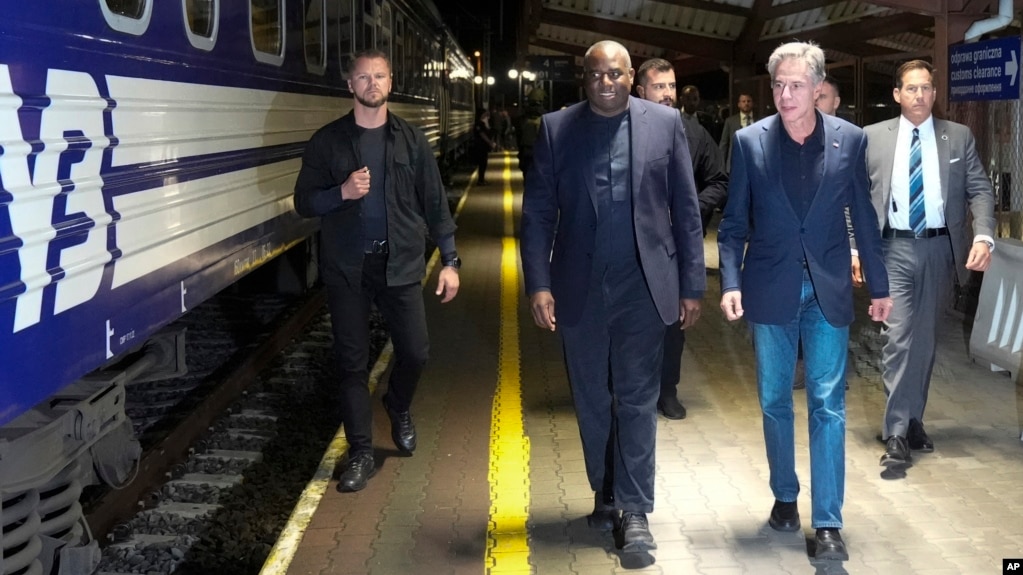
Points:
[(917, 213)]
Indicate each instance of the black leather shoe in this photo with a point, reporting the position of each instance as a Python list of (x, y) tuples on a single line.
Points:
[(896, 452), (671, 407), (635, 532), (830, 546), (403, 432), (918, 439), (784, 516), (604, 514), (360, 468)]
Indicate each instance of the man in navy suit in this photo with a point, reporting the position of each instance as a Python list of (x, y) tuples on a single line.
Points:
[(793, 175), (611, 232)]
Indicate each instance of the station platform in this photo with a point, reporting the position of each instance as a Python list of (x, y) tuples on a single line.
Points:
[(497, 484)]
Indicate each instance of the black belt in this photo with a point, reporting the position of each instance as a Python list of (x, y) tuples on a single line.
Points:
[(374, 247), (889, 233)]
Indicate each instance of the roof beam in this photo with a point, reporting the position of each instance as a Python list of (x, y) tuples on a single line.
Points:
[(746, 43), (796, 7), (702, 46), (563, 47), (925, 7), (707, 6), (863, 29)]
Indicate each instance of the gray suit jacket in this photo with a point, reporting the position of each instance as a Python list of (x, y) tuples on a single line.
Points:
[(732, 125), (963, 182)]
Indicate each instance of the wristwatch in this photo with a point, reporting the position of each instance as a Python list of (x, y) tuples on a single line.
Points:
[(455, 262)]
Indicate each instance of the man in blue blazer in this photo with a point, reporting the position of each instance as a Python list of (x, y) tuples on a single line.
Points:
[(785, 258), (611, 232)]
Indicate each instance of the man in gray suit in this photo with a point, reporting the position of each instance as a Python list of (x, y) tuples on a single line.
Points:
[(924, 175), (733, 124)]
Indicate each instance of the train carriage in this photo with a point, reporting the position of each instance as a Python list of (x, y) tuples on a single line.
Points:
[(148, 155)]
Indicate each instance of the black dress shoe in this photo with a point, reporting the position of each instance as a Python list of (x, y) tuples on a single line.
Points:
[(604, 514), (635, 533), (784, 516), (671, 407), (360, 468), (896, 452), (918, 439), (403, 432), (830, 546)]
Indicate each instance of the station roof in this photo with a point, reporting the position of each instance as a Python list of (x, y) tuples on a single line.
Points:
[(704, 35)]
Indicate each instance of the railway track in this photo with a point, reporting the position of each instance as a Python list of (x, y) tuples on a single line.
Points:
[(216, 487)]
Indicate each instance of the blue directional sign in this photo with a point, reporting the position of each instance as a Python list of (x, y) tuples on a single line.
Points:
[(985, 70)]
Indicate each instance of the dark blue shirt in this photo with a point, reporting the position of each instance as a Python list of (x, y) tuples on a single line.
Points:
[(802, 167), (373, 146)]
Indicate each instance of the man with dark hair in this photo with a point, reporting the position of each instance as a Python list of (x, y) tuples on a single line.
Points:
[(792, 177), (733, 124), (371, 178), (611, 233), (927, 183), (655, 82), (689, 103), (829, 99)]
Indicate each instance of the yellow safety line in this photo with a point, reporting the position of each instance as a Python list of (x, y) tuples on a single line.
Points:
[(283, 552), (507, 538)]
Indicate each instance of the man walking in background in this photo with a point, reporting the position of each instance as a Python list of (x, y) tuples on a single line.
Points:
[(733, 124), (655, 82)]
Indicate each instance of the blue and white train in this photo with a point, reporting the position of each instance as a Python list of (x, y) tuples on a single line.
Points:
[(148, 154)]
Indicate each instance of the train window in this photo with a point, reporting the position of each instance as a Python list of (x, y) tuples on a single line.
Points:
[(128, 16), (313, 37), (266, 18), (384, 29), (201, 22), (344, 35), (398, 54)]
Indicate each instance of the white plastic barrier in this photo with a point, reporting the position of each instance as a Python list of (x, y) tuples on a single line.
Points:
[(998, 325)]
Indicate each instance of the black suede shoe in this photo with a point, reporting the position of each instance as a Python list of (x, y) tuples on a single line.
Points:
[(896, 452), (830, 546), (784, 516), (358, 472), (403, 432), (635, 533), (604, 514), (671, 407), (918, 439)]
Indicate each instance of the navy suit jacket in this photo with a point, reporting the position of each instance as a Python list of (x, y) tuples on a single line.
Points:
[(769, 271), (559, 210)]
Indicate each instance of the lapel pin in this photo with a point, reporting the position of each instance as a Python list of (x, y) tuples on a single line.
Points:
[(944, 137), (834, 144)]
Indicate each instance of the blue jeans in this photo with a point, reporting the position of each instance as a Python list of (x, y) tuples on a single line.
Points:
[(825, 348)]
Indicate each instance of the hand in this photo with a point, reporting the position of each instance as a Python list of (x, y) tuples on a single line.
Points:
[(980, 257), (447, 284), (857, 273), (880, 308), (731, 304), (542, 305), (357, 184), (689, 312)]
